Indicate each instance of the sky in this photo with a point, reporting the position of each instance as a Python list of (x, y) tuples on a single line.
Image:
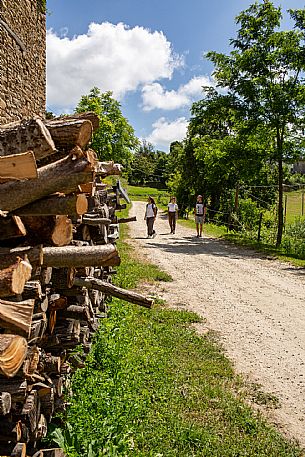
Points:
[(149, 53)]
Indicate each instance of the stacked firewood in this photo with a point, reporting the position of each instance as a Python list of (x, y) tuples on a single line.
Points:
[(58, 227)]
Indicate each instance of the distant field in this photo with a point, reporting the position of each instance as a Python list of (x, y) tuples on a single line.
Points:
[(294, 205), (142, 193)]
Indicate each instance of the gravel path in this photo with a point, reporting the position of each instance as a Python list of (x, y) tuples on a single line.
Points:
[(256, 305)]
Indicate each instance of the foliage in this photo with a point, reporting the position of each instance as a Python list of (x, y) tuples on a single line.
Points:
[(265, 72), (115, 139), (148, 166)]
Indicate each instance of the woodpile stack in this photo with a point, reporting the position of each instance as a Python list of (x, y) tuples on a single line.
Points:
[(58, 228)]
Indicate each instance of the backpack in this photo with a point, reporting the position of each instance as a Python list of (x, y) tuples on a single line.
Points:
[(155, 208)]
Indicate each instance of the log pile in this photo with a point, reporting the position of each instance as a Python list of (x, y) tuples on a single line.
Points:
[(58, 228)]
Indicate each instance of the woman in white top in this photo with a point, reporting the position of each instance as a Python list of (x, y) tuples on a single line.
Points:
[(172, 213), (150, 216)]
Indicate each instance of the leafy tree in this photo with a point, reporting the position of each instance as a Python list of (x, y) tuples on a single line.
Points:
[(115, 139), (265, 72), (148, 165)]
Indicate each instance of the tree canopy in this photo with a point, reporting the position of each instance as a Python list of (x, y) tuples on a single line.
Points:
[(115, 139)]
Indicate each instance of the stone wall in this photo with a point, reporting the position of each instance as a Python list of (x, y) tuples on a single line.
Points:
[(22, 60)]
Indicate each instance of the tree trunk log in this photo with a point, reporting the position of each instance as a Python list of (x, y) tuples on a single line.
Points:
[(13, 278), (5, 403), (23, 136), (32, 289), (95, 221), (11, 227), (18, 166), (108, 169), (124, 220), (110, 289), (55, 452), (13, 450), (68, 205), (68, 133), (13, 349), (71, 256), (90, 115), (17, 316), (53, 230), (61, 176)]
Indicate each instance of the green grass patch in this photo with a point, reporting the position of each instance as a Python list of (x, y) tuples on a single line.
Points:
[(152, 387)]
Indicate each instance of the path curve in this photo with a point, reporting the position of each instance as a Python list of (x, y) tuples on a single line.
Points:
[(255, 304)]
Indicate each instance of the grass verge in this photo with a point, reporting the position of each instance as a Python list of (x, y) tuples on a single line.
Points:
[(153, 388)]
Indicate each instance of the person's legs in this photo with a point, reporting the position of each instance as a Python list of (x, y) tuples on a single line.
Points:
[(150, 225), (197, 228), (171, 216), (174, 223), (200, 229)]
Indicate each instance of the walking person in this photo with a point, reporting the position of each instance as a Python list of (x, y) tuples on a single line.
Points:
[(172, 211), (150, 217), (200, 211)]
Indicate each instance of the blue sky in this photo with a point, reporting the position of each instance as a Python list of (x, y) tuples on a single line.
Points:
[(148, 52)]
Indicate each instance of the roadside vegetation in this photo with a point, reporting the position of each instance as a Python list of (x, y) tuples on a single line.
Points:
[(153, 387)]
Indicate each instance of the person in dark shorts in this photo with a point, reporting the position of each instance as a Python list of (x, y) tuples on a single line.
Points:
[(150, 217), (172, 211), (200, 211)]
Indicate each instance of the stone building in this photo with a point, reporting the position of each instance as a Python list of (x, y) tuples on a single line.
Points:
[(22, 59)]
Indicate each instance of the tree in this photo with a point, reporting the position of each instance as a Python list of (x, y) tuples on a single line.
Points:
[(265, 72), (115, 139)]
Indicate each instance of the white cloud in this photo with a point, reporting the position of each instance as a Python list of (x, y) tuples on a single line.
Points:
[(111, 57), (165, 132), (154, 96)]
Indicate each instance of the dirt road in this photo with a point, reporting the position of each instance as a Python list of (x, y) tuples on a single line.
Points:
[(256, 305)]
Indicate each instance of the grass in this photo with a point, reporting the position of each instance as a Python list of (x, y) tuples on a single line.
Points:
[(153, 388), (294, 205)]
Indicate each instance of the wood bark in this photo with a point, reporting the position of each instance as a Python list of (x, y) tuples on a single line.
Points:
[(53, 230), (69, 205), (69, 132), (110, 289), (61, 176), (96, 221), (32, 289), (11, 227), (71, 256), (18, 166), (108, 169), (23, 136), (55, 452), (13, 278), (17, 388), (90, 115), (5, 403), (33, 254), (17, 316), (13, 349), (124, 220)]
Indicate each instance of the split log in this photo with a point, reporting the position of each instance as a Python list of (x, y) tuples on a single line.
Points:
[(110, 168), (9, 431), (61, 176), (124, 220), (75, 312), (13, 349), (50, 364), (31, 410), (71, 256), (90, 115), (42, 428), (13, 278), (32, 289), (17, 316), (23, 136), (110, 289), (5, 403), (38, 328), (68, 132), (33, 254), (17, 388), (69, 205), (18, 166), (95, 221), (11, 227), (62, 278), (31, 363), (54, 230)]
